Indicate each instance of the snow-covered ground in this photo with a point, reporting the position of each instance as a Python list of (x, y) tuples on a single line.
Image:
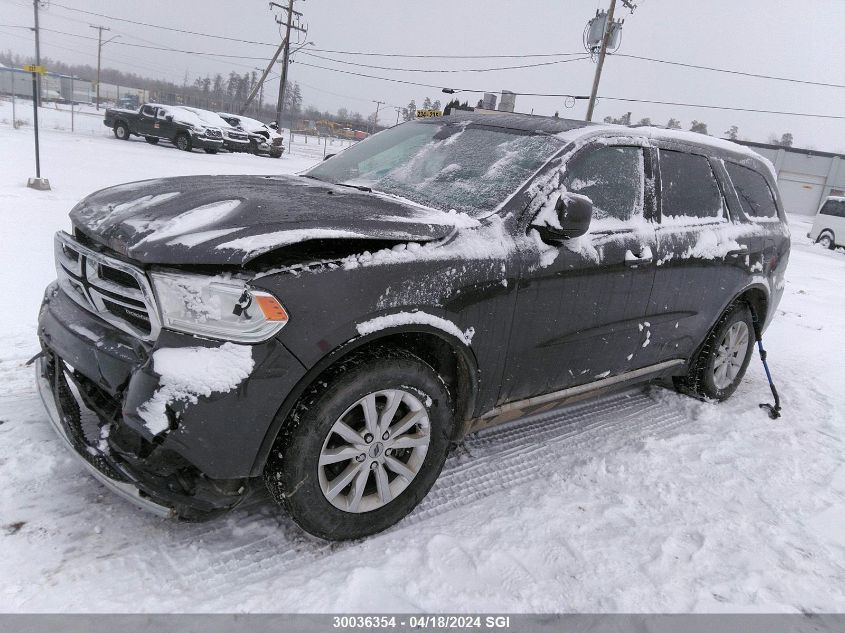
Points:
[(639, 501)]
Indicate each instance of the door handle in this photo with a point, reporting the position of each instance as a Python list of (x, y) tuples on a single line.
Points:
[(644, 257)]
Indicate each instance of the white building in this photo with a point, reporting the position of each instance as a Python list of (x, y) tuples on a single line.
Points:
[(805, 176)]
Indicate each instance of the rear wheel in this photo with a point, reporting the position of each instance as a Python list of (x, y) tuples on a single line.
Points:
[(152, 140), (363, 447), (722, 361), (826, 240), (121, 131), (183, 142)]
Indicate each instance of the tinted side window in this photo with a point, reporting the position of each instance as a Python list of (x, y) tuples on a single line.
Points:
[(688, 186), (612, 177), (148, 111), (754, 194), (834, 207)]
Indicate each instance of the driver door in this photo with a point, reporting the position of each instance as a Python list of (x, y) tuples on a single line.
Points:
[(581, 317), (162, 127)]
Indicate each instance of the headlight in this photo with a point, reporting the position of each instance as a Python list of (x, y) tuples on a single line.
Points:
[(218, 307)]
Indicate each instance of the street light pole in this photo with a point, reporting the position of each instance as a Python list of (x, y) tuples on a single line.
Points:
[(37, 52), (375, 120), (100, 30)]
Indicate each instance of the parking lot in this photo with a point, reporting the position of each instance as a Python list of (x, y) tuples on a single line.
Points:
[(640, 501)]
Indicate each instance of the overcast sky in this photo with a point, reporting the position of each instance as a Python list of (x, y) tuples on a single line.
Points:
[(789, 38)]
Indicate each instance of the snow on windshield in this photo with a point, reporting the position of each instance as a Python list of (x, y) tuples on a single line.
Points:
[(469, 168), (205, 117)]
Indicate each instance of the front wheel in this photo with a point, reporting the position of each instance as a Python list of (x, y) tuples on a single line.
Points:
[(722, 361), (363, 447)]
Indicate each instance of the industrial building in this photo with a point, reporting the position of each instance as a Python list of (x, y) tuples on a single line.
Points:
[(805, 176), (55, 87)]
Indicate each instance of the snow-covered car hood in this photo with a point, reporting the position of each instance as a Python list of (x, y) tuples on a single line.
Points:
[(234, 219)]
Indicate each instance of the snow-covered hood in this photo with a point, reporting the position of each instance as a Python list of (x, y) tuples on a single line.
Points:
[(234, 219)]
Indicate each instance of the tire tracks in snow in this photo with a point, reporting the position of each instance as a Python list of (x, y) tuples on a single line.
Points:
[(497, 460), (256, 544)]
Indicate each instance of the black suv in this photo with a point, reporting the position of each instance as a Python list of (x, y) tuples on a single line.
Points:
[(328, 336)]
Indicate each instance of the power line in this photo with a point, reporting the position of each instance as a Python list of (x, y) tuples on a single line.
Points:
[(731, 108), (159, 26), (519, 56), (729, 71), (558, 95), (452, 70), (160, 48), (425, 56)]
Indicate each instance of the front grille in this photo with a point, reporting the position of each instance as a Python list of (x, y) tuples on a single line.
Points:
[(212, 133), (238, 136), (117, 292)]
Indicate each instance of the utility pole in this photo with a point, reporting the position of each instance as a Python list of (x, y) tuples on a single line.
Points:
[(289, 25), (398, 110), (100, 30), (375, 120), (37, 52), (260, 86), (602, 53)]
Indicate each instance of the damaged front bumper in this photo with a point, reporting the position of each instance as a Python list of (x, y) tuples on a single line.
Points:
[(205, 463), (116, 480)]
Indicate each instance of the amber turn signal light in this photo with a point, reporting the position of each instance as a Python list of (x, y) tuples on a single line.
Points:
[(272, 309)]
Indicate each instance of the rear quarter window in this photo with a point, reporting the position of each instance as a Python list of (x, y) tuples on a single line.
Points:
[(688, 188), (754, 194)]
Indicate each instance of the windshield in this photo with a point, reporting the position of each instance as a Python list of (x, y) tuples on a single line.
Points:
[(208, 118), (467, 167)]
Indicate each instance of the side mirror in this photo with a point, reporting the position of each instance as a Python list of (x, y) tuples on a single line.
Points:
[(169, 118), (327, 156), (574, 213)]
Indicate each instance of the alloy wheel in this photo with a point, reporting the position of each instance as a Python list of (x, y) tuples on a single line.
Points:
[(730, 355), (374, 450)]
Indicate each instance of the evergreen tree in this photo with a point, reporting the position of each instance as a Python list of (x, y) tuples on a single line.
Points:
[(698, 126)]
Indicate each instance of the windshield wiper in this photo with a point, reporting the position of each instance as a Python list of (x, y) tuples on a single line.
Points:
[(358, 187)]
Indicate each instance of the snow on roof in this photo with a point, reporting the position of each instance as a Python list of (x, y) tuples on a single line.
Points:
[(583, 134)]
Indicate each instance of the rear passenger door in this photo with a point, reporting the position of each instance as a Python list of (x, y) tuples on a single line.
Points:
[(697, 244)]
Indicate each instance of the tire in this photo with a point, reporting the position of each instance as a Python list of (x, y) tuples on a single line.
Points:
[(275, 155), (209, 150), (827, 240), (152, 140), (721, 364), (183, 142), (297, 480), (121, 131)]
